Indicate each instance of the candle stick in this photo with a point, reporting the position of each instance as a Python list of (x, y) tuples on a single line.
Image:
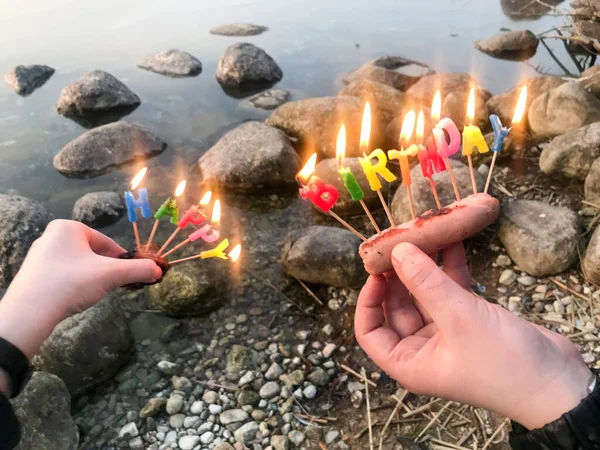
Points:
[(321, 194), (402, 155), (380, 168), (444, 148), (501, 132), (351, 183), (472, 137), (168, 208), (217, 252), (429, 159), (140, 203)]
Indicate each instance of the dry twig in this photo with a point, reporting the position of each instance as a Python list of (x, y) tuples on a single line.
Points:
[(396, 408), (495, 433), (366, 381), (355, 373)]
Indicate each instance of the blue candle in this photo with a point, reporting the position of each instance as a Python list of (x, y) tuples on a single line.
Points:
[(500, 133), (133, 204)]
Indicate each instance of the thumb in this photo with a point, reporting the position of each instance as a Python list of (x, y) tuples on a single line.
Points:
[(127, 271), (446, 302)]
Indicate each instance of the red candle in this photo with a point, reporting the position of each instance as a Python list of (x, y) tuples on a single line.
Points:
[(321, 194)]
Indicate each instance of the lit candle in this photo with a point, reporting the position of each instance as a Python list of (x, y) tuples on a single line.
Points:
[(472, 138), (445, 148), (371, 171), (429, 159), (501, 132), (217, 252), (209, 233), (170, 209), (140, 203), (402, 156), (350, 182)]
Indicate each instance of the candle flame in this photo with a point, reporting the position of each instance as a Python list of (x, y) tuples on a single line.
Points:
[(407, 128), (340, 149), (420, 127), (471, 107), (216, 212), (205, 200), (436, 108), (135, 182), (308, 168), (520, 109), (180, 188), (365, 130), (234, 254)]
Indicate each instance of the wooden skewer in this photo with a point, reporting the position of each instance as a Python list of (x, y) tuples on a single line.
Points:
[(177, 247), (136, 233), (166, 244), (410, 201), (189, 258), (347, 225), (435, 194), (472, 174), (152, 234), (449, 167), (364, 205), (385, 207), (489, 178), (365, 379)]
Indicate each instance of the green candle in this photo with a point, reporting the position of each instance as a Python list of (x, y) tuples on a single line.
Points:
[(351, 183), (168, 208)]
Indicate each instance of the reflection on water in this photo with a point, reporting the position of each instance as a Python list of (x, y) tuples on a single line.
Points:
[(519, 10)]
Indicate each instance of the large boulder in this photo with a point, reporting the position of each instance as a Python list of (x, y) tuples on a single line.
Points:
[(422, 196), (572, 153), (503, 105), (107, 148), (426, 87), (315, 123), (563, 109), (88, 348), (541, 239), (173, 63), (250, 158), (190, 289), (592, 185), (44, 410), (238, 29), (96, 93), (99, 209), (246, 64), (455, 105), (26, 79), (395, 71), (22, 221), (324, 255), (517, 45), (590, 265), (590, 80)]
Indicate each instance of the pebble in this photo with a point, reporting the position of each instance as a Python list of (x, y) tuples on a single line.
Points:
[(310, 391), (331, 436), (293, 379), (279, 442), (269, 390), (559, 308), (329, 349), (188, 442), (215, 409), (566, 300), (210, 397), (335, 304), (526, 281), (168, 368), (197, 407), (136, 443), (507, 277), (207, 437), (206, 426), (247, 378), (327, 329), (192, 422), (232, 416), (503, 261), (296, 437), (128, 431), (176, 420), (246, 432), (318, 377), (174, 404), (274, 372), (170, 437)]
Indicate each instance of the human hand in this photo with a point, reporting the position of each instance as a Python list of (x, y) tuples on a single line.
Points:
[(425, 328)]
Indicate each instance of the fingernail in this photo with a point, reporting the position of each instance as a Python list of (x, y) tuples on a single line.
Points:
[(400, 252)]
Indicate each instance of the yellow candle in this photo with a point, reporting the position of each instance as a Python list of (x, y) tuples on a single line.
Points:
[(472, 137), (371, 170), (402, 157), (217, 252)]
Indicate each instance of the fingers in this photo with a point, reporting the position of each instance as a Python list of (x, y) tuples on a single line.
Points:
[(102, 244), (400, 312), (446, 302), (120, 272), (455, 265)]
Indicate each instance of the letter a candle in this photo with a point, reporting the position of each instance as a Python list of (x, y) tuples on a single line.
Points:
[(140, 203), (472, 137), (170, 209)]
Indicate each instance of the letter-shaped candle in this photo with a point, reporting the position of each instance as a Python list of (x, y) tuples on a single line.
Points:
[(209, 233), (444, 148), (140, 203), (379, 168), (472, 138), (217, 252)]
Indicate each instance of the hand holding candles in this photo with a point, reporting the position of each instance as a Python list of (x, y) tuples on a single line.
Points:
[(472, 137), (170, 209), (140, 203)]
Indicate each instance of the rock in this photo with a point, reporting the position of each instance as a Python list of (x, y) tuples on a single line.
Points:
[(269, 390), (454, 105), (329, 349), (592, 184), (176, 420), (153, 407), (421, 191), (22, 221), (96, 93), (188, 442), (189, 289), (248, 398), (318, 377), (572, 153), (324, 255), (223, 446), (296, 437), (279, 442), (426, 87), (503, 261), (293, 379), (515, 45), (128, 431), (507, 277), (245, 65), (26, 79), (233, 416), (310, 121), (253, 157), (241, 358), (210, 397), (332, 435), (215, 409), (503, 105), (173, 63), (44, 410), (395, 71), (269, 99), (174, 404), (246, 432), (238, 29), (541, 239), (590, 80), (273, 372), (526, 281), (168, 368), (107, 148), (207, 437), (310, 391), (99, 209), (82, 353), (591, 260), (565, 108)]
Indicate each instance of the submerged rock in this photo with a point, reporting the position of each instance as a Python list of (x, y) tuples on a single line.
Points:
[(541, 239), (107, 148), (250, 158), (563, 109), (240, 359), (99, 209), (26, 79), (246, 65), (324, 255), (88, 348), (270, 99), (44, 410), (395, 71), (590, 265), (516, 45), (173, 63), (189, 289), (22, 221), (238, 29), (422, 196), (96, 94), (311, 121), (446, 83), (573, 153)]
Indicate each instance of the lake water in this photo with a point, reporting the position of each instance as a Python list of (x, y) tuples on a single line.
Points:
[(315, 42)]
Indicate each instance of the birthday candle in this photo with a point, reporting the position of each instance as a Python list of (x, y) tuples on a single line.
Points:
[(209, 233), (170, 209), (140, 203), (445, 148), (217, 252), (472, 138)]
